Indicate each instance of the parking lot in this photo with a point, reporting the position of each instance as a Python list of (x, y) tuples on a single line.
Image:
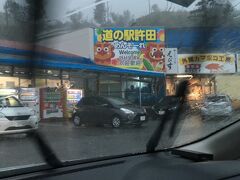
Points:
[(70, 142)]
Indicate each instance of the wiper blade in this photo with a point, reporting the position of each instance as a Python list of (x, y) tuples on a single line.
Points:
[(193, 155), (47, 153), (184, 3), (156, 136)]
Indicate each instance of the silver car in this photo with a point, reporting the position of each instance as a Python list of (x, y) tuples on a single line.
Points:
[(217, 105), (15, 118)]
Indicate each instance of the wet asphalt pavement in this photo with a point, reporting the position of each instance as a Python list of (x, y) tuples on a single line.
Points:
[(71, 143)]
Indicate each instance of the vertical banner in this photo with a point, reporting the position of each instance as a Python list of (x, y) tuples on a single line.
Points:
[(131, 48), (238, 62), (171, 60)]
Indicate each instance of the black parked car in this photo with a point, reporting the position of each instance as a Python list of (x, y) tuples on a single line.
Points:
[(108, 110), (166, 103)]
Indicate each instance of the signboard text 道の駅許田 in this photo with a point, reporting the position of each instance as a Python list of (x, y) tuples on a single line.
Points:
[(132, 48)]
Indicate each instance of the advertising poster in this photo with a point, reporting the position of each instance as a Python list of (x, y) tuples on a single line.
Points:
[(51, 103), (73, 97), (131, 48), (28, 94), (206, 63), (171, 60)]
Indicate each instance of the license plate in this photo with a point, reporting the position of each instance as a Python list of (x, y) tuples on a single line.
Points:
[(142, 118), (161, 112)]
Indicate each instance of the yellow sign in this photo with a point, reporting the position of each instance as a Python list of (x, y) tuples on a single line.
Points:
[(200, 58), (206, 63)]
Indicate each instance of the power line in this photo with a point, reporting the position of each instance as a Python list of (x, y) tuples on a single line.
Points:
[(87, 7), (236, 4)]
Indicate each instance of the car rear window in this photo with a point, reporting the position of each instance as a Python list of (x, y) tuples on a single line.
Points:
[(87, 102), (216, 98), (168, 100)]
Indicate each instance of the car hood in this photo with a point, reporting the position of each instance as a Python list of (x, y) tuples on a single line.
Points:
[(16, 111), (135, 109), (164, 106)]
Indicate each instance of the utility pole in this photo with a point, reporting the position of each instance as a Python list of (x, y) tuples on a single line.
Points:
[(6, 13), (107, 18), (149, 7)]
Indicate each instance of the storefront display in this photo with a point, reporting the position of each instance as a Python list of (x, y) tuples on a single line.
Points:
[(30, 98), (51, 103), (72, 97), (199, 85), (170, 86)]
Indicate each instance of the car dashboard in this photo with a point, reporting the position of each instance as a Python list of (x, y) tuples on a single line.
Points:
[(161, 165), (213, 157)]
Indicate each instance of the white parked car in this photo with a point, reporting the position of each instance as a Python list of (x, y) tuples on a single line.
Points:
[(15, 118), (217, 105)]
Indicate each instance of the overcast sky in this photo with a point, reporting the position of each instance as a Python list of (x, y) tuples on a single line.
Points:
[(137, 7), (57, 9)]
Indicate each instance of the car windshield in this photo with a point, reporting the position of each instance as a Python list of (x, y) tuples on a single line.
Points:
[(169, 100), (10, 102), (67, 60), (217, 99)]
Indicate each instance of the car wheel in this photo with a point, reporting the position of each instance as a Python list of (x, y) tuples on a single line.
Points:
[(116, 122), (76, 120)]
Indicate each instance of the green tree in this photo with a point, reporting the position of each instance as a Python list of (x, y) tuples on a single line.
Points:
[(76, 20), (100, 13), (123, 20), (12, 10), (30, 11), (35, 9), (213, 13), (155, 8), (166, 19), (22, 19)]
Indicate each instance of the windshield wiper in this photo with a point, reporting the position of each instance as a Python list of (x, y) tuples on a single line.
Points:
[(193, 155), (46, 151), (157, 134)]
